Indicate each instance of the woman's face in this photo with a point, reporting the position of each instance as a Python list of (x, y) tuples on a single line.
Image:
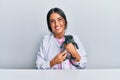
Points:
[(57, 24)]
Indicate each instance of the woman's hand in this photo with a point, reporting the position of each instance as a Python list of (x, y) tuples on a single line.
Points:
[(59, 58), (72, 50)]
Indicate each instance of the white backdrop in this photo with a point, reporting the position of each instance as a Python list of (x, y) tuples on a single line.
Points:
[(23, 24)]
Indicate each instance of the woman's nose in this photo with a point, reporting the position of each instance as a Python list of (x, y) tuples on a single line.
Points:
[(57, 23)]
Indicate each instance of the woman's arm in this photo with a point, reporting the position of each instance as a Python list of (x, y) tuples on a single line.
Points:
[(42, 62), (78, 54), (73, 51)]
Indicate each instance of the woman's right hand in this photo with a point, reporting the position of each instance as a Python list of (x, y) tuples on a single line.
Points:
[(58, 59)]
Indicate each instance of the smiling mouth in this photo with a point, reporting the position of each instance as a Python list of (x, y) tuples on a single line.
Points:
[(57, 28)]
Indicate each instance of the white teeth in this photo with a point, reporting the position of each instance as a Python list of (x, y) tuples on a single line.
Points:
[(57, 27)]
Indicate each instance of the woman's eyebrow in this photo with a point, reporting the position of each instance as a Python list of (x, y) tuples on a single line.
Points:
[(59, 18)]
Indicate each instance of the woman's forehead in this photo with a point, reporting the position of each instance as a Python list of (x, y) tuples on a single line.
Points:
[(55, 15)]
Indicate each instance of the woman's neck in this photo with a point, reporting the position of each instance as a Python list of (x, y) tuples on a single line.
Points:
[(59, 36)]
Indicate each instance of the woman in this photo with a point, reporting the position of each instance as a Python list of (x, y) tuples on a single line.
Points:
[(50, 55)]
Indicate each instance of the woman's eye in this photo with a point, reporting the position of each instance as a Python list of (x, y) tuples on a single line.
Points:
[(51, 21), (59, 19)]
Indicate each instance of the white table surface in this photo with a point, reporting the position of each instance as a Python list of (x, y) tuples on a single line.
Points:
[(86, 74)]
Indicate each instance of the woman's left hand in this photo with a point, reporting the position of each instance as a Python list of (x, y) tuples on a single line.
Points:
[(72, 50)]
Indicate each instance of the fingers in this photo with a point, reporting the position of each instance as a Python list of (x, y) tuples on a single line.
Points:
[(64, 55)]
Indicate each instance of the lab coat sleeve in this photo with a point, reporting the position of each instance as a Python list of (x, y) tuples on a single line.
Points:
[(83, 62), (42, 62)]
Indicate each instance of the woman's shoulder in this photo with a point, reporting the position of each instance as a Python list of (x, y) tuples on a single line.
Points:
[(47, 37)]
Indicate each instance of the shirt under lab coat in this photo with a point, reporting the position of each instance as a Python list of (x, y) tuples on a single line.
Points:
[(49, 48)]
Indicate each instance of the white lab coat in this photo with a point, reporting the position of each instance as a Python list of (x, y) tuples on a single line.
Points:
[(49, 48)]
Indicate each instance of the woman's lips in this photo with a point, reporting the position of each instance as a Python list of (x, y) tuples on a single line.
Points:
[(57, 28)]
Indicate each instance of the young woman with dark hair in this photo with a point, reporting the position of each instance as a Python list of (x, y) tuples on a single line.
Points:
[(51, 55)]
